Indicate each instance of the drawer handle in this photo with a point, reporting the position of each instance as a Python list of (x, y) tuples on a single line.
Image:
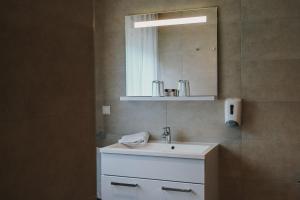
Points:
[(176, 189), (124, 184)]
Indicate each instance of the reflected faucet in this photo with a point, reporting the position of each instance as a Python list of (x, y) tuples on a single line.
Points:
[(167, 135)]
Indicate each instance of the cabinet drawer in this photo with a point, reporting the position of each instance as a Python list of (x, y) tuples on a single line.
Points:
[(162, 168), (120, 188)]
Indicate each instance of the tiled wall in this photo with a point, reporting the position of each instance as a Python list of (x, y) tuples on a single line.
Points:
[(259, 61), (270, 74), (47, 140)]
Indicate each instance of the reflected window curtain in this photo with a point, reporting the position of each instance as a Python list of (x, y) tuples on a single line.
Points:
[(141, 56)]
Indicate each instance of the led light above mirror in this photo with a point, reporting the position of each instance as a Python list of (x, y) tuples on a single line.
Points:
[(170, 22)]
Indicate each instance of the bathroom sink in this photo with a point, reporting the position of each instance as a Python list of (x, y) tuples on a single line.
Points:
[(180, 150)]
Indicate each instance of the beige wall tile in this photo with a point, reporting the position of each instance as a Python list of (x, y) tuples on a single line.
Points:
[(230, 165), (133, 117), (277, 190), (270, 160), (270, 9), (199, 119), (229, 76), (271, 40), (230, 188), (274, 80), (271, 121)]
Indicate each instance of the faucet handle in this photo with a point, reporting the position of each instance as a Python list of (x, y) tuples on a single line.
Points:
[(167, 130), (167, 134)]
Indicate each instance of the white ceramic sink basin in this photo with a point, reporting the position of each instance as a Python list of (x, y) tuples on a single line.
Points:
[(181, 150)]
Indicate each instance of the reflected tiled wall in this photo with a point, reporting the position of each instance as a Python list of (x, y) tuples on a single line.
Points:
[(47, 140), (259, 59)]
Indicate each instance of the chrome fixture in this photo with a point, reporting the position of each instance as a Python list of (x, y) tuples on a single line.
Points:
[(167, 134)]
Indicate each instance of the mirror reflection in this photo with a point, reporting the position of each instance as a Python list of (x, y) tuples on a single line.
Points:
[(169, 47)]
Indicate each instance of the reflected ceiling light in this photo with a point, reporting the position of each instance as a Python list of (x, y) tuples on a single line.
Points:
[(169, 22)]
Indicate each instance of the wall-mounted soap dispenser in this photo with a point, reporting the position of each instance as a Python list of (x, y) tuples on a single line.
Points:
[(233, 112)]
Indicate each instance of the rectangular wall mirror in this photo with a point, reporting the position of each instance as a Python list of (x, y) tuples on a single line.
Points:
[(172, 46)]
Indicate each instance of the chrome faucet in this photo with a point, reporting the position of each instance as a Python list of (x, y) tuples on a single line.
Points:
[(167, 134)]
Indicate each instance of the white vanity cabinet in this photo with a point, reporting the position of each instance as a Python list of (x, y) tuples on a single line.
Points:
[(168, 177), (121, 188)]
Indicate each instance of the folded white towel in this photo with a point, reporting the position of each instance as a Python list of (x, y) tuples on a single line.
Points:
[(137, 138)]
